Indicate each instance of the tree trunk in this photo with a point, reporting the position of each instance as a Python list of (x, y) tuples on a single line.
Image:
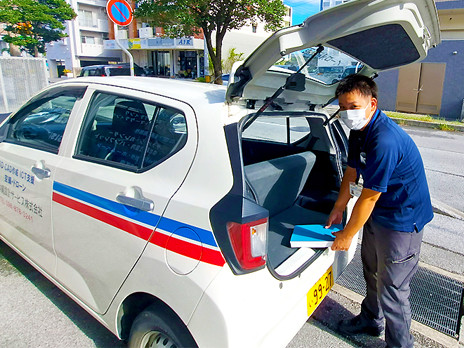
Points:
[(213, 55), (36, 51), (14, 51), (217, 68), (218, 64)]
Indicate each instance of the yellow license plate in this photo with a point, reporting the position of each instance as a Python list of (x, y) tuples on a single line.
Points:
[(319, 290)]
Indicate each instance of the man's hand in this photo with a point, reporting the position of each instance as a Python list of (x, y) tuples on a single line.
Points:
[(361, 212), (342, 241), (335, 217)]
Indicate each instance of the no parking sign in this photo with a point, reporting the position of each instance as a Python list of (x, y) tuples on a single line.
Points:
[(119, 11)]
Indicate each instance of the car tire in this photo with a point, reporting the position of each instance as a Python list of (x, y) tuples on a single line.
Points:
[(159, 327)]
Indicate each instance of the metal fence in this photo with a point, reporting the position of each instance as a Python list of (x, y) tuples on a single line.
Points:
[(20, 79)]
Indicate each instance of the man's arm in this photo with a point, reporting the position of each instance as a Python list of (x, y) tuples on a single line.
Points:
[(344, 196), (361, 212)]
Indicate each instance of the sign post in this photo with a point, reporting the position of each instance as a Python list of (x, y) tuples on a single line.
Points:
[(120, 13)]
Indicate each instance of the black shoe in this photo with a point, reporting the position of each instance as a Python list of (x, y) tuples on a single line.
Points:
[(357, 325)]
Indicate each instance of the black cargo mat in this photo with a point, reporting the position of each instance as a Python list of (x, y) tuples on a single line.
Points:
[(435, 299)]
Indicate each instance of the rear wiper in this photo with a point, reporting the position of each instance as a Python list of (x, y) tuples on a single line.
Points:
[(294, 82)]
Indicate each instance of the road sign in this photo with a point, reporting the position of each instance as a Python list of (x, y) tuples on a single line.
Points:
[(119, 11)]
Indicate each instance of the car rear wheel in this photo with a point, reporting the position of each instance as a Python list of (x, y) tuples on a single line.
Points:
[(159, 327)]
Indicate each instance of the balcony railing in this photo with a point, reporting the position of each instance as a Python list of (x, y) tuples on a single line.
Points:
[(100, 25), (92, 50), (99, 3)]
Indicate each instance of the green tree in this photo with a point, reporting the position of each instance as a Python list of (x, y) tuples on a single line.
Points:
[(232, 57), (188, 17), (30, 24)]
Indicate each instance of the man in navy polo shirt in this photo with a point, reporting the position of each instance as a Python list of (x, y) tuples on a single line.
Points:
[(385, 170)]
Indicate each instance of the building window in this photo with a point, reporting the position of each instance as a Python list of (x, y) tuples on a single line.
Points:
[(91, 40), (86, 18)]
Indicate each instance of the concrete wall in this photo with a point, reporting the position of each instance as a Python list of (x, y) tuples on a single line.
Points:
[(449, 4), (387, 82), (453, 92), (450, 52)]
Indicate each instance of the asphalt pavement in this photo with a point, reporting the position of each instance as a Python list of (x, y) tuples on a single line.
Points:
[(35, 313), (443, 156)]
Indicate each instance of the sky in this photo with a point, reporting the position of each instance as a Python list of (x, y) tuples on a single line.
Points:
[(302, 9)]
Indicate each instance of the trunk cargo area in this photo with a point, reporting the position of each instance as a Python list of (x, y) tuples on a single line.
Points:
[(297, 183)]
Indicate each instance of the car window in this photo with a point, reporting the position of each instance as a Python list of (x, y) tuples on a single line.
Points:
[(41, 122), (327, 67), (130, 133), (117, 71), (123, 71), (299, 128), (278, 129)]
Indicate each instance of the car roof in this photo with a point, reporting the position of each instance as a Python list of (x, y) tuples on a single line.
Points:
[(93, 66), (106, 65), (193, 93)]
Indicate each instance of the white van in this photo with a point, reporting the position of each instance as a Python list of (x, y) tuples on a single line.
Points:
[(165, 208)]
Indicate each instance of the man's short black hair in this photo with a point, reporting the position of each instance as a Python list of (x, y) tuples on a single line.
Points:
[(363, 84)]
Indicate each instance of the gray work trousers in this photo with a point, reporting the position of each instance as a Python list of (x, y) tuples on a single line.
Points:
[(390, 259)]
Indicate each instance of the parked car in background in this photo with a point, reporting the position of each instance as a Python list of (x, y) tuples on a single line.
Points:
[(122, 69), (165, 207)]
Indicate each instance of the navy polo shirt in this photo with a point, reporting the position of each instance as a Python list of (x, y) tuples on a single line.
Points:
[(389, 162)]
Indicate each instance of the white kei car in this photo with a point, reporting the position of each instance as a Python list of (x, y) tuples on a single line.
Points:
[(165, 208)]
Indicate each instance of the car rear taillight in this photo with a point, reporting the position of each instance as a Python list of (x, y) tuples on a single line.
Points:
[(249, 242)]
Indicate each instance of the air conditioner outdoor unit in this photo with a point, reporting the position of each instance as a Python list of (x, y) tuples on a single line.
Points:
[(146, 32), (122, 34)]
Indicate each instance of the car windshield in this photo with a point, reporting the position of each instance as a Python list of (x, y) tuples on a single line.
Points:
[(328, 67)]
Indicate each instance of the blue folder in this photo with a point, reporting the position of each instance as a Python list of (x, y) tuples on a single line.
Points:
[(313, 236)]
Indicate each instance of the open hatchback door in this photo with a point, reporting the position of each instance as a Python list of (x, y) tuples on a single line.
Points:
[(293, 153), (364, 36)]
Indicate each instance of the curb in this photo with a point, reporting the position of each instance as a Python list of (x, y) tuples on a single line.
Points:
[(445, 209), (423, 124)]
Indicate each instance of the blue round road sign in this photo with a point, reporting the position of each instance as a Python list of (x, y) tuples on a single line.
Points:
[(119, 11)]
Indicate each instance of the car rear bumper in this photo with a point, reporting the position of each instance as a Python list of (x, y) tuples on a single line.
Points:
[(257, 310)]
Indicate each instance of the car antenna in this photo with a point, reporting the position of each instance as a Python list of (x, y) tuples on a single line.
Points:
[(291, 79)]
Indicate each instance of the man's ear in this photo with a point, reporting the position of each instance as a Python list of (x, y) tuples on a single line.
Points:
[(374, 103)]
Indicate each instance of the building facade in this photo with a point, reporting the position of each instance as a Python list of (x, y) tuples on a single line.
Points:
[(91, 41), (325, 4), (84, 44), (184, 57), (433, 86)]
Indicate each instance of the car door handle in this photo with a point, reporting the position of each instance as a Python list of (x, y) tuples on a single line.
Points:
[(41, 173), (139, 203)]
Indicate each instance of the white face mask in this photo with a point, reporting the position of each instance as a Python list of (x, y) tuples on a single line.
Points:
[(354, 119)]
